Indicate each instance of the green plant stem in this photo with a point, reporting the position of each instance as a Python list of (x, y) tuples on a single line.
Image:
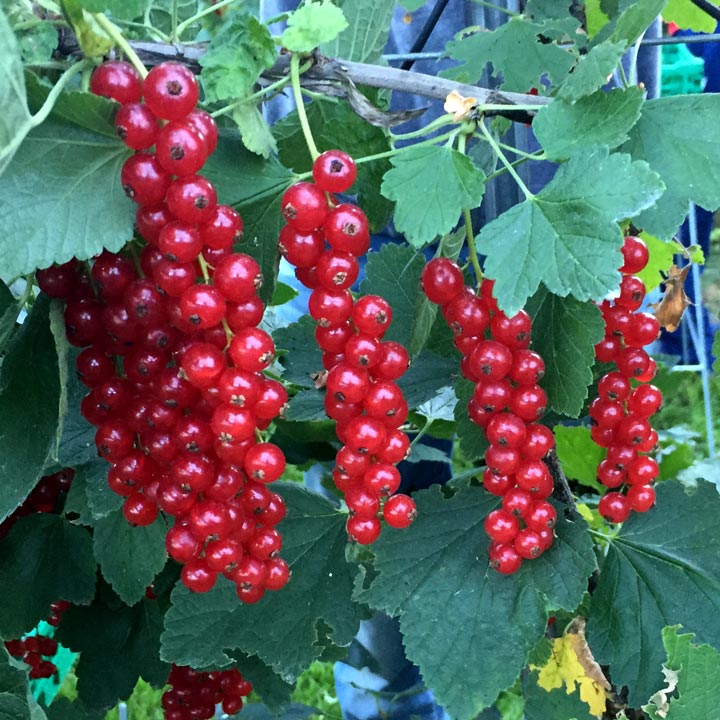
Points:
[(300, 104), (159, 35), (469, 234), (623, 76), (27, 293), (41, 115), (521, 153), (114, 32), (185, 24), (390, 153), (491, 107), (204, 268), (228, 332), (436, 124), (503, 170), (421, 432), (501, 156), (174, 21), (273, 87)]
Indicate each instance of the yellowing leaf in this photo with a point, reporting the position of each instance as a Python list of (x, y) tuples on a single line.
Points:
[(571, 664)]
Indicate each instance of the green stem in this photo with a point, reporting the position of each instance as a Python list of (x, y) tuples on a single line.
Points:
[(114, 32), (469, 234), (421, 432), (503, 170), (430, 127), (41, 115), (521, 153), (272, 88), (300, 104), (159, 35), (501, 156), (623, 76), (27, 293), (174, 22), (312, 95), (185, 24), (204, 268), (228, 332), (490, 107)]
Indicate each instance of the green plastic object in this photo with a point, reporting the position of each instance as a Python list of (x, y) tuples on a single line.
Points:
[(45, 689), (682, 72)]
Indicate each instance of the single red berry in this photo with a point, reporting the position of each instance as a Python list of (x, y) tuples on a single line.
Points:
[(337, 270), (620, 456), (641, 497), (491, 360), (237, 277), (180, 148), (514, 332), (528, 544), (346, 229), (614, 386), (393, 362), (304, 206), (534, 477), (251, 349), (117, 80), (504, 558), (277, 577), (197, 576), (366, 435), (170, 90), (606, 413), (202, 306), (140, 510), (539, 440), (442, 280), (206, 125), (330, 307), (144, 180), (381, 479), (491, 396), (180, 242), (302, 250), (644, 329), (643, 470), (264, 463), (362, 502), (527, 368), (607, 350), (502, 460), (334, 171), (192, 199), (222, 229), (372, 315), (528, 402), (347, 384), (466, 314), (399, 511), (614, 507), (397, 446), (501, 526), (635, 255), (632, 292), (519, 502), (645, 400), (506, 430), (497, 484), (364, 531)]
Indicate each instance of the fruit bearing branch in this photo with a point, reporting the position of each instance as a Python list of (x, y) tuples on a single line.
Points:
[(328, 73)]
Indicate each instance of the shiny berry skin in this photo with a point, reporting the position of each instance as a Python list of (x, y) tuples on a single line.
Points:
[(347, 384), (251, 349), (362, 502), (337, 270), (59, 281), (504, 558), (346, 229), (139, 510), (393, 362), (606, 413), (502, 460), (649, 374), (641, 497), (614, 507), (643, 470), (114, 440), (237, 277), (506, 430), (207, 127), (180, 148), (334, 171), (112, 274), (501, 526), (278, 574), (117, 80), (644, 329), (620, 456), (372, 315), (144, 180), (238, 387), (180, 242), (534, 477), (151, 219), (330, 307), (614, 386), (527, 368), (202, 306), (645, 400), (271, 401), (399, 511), (442, 280), (632, 292), (94, 367), (397, 446), (363, 531), (497, 485), (264, 463), (197, 576), (136, 126), (539, 440), (232, 424), (222, 229), (191, 199), (514, 332), (518, 502), (304, 206), (541, 515), (632, 362), (607, 350), (302, 250), (633, 430), (466, 314), (381, 479), (332, 339), (170, 90), (635, 255), (265, 544), (202, 364), (528, 544), (492, 396), (528, 402), (366, 435), (490, 360)]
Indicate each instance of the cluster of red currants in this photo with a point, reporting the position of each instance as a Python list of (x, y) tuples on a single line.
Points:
[(193, 694), (35, 651), (620, 414), (56, 612), (46, 497), (323, 240), (507, 403), (173, 356)]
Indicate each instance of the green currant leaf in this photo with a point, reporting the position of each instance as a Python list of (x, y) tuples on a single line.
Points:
[(635, 18), (567, 236), (662, 568), (121, 9), (90, 497), (254, 130), (541, 704), (16, 700), (565, 332), (29, 406), (313, 24), (43, 559), (366, 35), (129, 557), (435, 576), (579, 455), (73, 165), (471, 436), (302, 359), (426, 376), (37, 43), (64, 709), (603, 118), (679, 137), (697, 668), (269, 686), (394, 272), (236, 55), (307, 405), (94, 41), (336, 127), (108, 629), (688, 16), (431, 185), (501, 48), (285, 629), (16, 120), (662, 255), (592, 71)]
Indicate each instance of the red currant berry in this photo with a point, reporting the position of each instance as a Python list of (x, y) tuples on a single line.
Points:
[(614, 507), (614, 386), (643, 470), (330, 307), (180, 148), (302, 250), (144, 179), (528, 544), (635, 255), (539, 440), (372, 315), (632, 292), (251, 349), (514, 332), (442, 280), (337, 270), (139, 510), (364, 531), (202, 306), (527, 368), (222, 229), (490, 360), (528, 402), (393, 362), (334, 171), (304, 206), (197, 576), (504, 558), (237, 277), (641, 497), (192, 199), (506, 430), (117, 80), (264, 463), (346, 229), (170, 90), (399, 511), (501, 526)]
